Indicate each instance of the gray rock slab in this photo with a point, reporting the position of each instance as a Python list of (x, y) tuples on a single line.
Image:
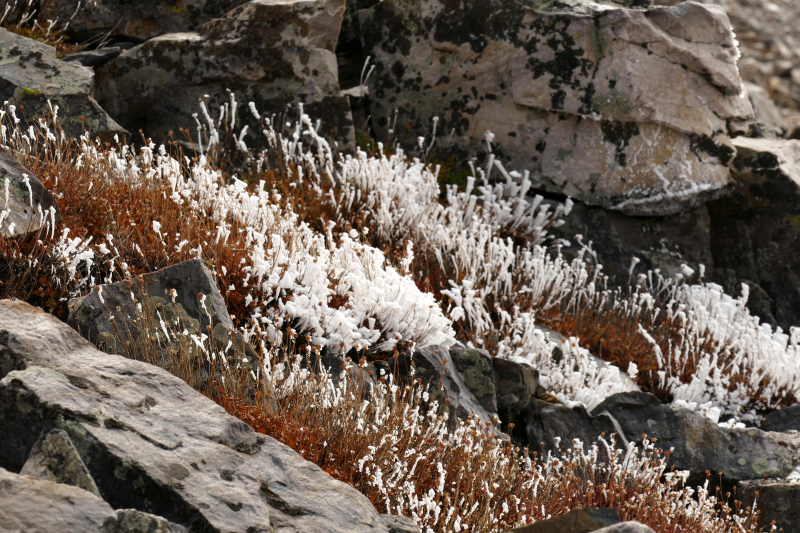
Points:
[(25, 205), (699, 444), (157, 85), (777, 502), (754, 229), (55, 459), (576, 521), (31, 75), (623, 108), (94, 58), (783, 420), (154, 444)]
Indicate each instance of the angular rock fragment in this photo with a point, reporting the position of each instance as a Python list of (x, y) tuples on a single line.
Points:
[(25, 205), (577, 521), (755, 230), (700, 444), (777, 502), (623, 108), (55, 459), (270, 53), (476, 370), (783, 420), (154, 444), (31, 76), (136, 19), (515, 385), (133, 521)]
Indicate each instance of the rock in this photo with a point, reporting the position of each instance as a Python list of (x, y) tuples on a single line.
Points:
[(663, 243), (32, 505), (437, 369), (270, 53), (136, 19), (623, 108), (31, 76), (399, 524), (783, 420), (777, 502), (476, 370), (626, 527), (133, 521), (94, 58), (26, 207), (55, 458), (755, 231), (515, 386), (544, 423), (767, 115), (577, 521), (699, 444), (154, 444)]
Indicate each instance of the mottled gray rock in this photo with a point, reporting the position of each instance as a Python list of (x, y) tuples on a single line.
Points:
[(268, 52), (55, 459), (25, 206), (767, 115), (755, 231), (778, 502), (154, 444), (94, 58), (436, 368), (136, 19), (133, 521), (699, 443), (623, 108), (626, 527), (783, 420), (544, 423), (577, 521), (476, 370), (30, 76), (33, 505), (399, 524), (515, 385)]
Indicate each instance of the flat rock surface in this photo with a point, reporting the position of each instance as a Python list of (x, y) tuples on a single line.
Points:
[(154, 444)]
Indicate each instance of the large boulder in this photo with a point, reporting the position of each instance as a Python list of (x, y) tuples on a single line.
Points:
[(755, 231), (270, 53), (31, 77), (154, 444), (628, 109), (26, 206), (700, 444), (136, 19)]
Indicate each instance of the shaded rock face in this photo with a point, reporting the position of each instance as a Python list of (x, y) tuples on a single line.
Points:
[(623, 108), (755, 231), (55, 458), (271, 53), (699, 443), (154, 444), (30, 76), (25, 205), (516, 386), (777, 502), (577, 521), (476, 370), (137, 19), (783, 420), (544, 423)]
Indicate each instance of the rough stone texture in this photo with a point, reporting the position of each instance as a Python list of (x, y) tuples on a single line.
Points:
[(783, 420), (755, 231), (399, 524), (55, 459), (623, 108), (515, 385), (133, 521), (476, 370), (777, 501), (137, 19), (699, 443), (436, 368), (626, 527), (545, 422), (577, 521), (94, 58), (22, 205), (152, 443), (30, 76), (33, 505), (771, 123), (273, 53), (663, 243)]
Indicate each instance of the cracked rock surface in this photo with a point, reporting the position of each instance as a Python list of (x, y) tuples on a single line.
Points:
[(153, 444), (628, 109)]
